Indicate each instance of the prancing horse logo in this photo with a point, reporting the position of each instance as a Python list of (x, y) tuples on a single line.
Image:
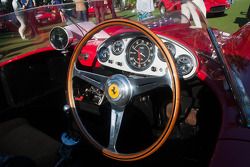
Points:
[(113, 91)]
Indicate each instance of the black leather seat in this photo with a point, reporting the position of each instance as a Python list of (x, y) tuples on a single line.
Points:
[(16, 161), (22, 143)]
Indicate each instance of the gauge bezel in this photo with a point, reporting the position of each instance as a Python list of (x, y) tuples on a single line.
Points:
[(194, 66), (128, 55), (171, 53), (101, 50), (112, 46), (68, 34)]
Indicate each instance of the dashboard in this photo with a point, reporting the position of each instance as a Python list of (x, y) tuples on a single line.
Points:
[(135, 53)]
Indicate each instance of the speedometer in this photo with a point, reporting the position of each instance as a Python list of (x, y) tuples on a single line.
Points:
[(140, 54)]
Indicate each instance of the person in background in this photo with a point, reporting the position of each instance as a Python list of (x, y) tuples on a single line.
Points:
[(201, 6), (111, 8), (68, 8), (81, 10), (144, 9), (28, 5), (99, 10), (18, 9), (188, 10), (86, 3), (231, 1)]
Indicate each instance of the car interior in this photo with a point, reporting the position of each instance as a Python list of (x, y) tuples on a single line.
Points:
[(38, 127), (33, 118)]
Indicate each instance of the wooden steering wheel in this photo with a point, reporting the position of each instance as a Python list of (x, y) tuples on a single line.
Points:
[(119, 89)]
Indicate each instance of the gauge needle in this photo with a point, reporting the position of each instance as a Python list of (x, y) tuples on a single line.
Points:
[(138, 51), (139, 56)]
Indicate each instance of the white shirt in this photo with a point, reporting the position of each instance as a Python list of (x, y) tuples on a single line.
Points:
[(145, 6), (16, 5)]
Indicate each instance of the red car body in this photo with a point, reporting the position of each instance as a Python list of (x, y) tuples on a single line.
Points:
[(212, 6)]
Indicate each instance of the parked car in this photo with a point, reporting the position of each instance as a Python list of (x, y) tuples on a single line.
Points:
[(212, 6), (48, 15), (161, 92)]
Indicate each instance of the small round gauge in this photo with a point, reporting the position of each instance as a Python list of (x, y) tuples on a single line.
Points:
[(184, 64), (171, 49), (59, 38), (117, 47), (103, 54), (140, 54)]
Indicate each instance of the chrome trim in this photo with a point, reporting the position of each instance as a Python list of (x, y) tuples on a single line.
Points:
[(234, 83), (125, 90), (191, 55)]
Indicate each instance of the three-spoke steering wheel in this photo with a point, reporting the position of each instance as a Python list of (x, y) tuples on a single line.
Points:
[(120, 89)]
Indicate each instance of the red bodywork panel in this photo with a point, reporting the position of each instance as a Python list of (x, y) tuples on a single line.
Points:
[(22, 56), (234, 140), (237, 52), (90, 50)]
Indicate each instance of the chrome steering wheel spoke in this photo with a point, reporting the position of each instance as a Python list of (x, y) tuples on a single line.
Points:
[(145, 84), (115, 124), (96, 80)]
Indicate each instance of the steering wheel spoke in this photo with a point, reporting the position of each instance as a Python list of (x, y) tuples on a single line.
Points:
[(92, 78), (115, 124), (145, 84)]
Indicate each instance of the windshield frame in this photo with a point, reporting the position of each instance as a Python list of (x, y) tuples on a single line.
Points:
[(234, 83)]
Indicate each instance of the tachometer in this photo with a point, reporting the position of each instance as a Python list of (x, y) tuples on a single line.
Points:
[(140, 54)]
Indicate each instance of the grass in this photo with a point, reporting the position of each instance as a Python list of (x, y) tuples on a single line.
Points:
[(233, 18)]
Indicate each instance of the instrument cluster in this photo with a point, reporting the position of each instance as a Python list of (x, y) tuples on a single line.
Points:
[(135, 53)]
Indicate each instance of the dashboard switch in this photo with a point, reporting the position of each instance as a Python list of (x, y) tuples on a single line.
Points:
[(153, 69), (111, 61), (119, 63)]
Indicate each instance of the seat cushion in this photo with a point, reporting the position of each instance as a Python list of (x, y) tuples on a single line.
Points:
[(19, 138)]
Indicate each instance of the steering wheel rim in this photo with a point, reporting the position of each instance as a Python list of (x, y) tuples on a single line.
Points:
[(175, 89)]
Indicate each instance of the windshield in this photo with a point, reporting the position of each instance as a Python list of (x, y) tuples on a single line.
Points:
[(27, 29)]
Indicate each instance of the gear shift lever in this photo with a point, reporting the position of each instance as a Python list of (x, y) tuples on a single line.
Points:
[(68, 143)]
